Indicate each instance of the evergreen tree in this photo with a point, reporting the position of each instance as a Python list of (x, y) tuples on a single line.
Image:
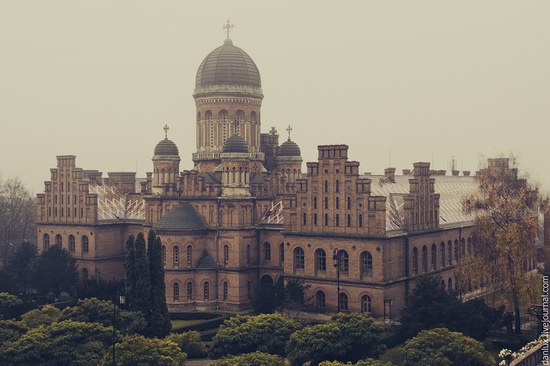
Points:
[(158, 322), (138, 278), (129, 266)]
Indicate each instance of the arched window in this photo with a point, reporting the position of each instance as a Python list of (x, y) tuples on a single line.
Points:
[(424, 259), (267, 251), (320, 260), (315, 202), (463, 247), (84, 274), (326, 202), (315, 219), (45, 242), (176, 256), (415, 261), (450, 284), (208, 115), (366, 304), (206, 291), (344, 261), (366, 264), (225, 255), (337, 186), (253, 116), (304, 219), (248, 255), (349, 220), (299, 260), (326, 219), (320, 299), (326, 186), (434, 257), (189, 257), (225, 291), (72, 244), (349, 203), (442, 248), (337, 220), (457, 250), (239, 116), (337, 202), (58, 240), (281, 254), (164, 255), (189, 291), (343, 300), (85, 244), (443, 285), (222, 116), (360, 220), (469, 246), (450, 252), (176, 292)]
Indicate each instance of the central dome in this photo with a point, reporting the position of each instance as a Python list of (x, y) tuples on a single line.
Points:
[(228, 65)]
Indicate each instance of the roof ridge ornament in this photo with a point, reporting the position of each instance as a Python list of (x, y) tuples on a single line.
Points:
[(166, 128), (227, 27), (289, 130)]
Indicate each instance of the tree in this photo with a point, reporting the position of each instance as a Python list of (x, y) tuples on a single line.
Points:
[(441, 347), (17, 210), (99, 288), (251, 359), (347, 337), (62, 343), (55, 271), (367, 362), (137, 275), (158, 322), (269, 297), (189, 343), (243, 334), (44, 316), (97, 311), (11, 330), (20, 267), (138, 350), (505, 211), (8, 305)]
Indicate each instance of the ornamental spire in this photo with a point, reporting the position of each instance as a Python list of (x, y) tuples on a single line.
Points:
[(227, 27), (166, 128), (289, 130)]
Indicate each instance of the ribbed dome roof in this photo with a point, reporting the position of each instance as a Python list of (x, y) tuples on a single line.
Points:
[(235, 144), (228, 65), (166, 147), (289, 148)]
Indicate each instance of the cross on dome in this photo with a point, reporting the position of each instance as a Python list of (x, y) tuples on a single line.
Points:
[(289, 130), (227, 27), (166, 128)]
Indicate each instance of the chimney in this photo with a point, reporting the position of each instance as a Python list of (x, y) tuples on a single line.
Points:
[(466, 173), (441, 172), (406, 171), (390, 174), (455, 173)]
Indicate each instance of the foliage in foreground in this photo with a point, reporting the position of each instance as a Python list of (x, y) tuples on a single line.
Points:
[(8, 305), (244, 334), (347, 337), (45, 316), (441, 347), (189, 343), (251, 359), (367, 362), (138, 350)]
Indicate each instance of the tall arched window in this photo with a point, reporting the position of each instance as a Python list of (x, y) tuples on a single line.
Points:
[(450, 252), (282, 254), (360, 220), (326, 202), (337, 187), (315, 202), (457, 250), (442, 248), (337, 220), (337, 202), (189, 257), (320, 299), (206, 291), (299, 259), (72, 244), (304, 219), (164, 255), (344, 261), (434, 256), (176, 292), (85, 244), (343, 300), (366, 304), (253, 116), (349, 220), (225, 255), (84, 274), (320, 260), (222, 116), (176, 256), (189, 291), (415, 261), (248, 255), (267, 251), (45, 242), (424, 259), (366, 264), (326, 186), (208, 115), (225, 291), (58, 240), (349, 203), (239, 115)]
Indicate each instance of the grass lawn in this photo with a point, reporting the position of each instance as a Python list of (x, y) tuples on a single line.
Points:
[(178, 324)]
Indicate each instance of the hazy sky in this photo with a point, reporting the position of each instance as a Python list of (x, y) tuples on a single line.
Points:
[(99, 79)]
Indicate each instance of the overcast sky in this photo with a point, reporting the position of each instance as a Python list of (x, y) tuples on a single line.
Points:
[(427, 80)]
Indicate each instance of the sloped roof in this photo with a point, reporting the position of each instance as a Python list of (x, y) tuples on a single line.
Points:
[(181, 218), (112, 205), (206, 261)]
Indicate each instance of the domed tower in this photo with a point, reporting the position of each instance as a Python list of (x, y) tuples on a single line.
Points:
[(289, 159), (166, 162), (235, 167), (227, 93)]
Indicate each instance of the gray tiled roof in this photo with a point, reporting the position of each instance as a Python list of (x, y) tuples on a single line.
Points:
[(206, 261), (181, 218)]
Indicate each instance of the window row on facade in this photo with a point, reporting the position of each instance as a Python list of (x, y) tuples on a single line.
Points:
[(445, 256), (334, 221), (341, 262), (223, 115), (84, 242), (343, 302)]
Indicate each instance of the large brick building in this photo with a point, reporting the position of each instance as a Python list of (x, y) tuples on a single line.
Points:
[(247, 214)]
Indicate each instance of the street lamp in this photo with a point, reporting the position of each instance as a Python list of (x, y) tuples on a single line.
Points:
[(336, 261), (120, 298)]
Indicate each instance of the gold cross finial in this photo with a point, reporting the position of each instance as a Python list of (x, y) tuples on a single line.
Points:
[(227, 27), (166, 128), (289, 129)]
